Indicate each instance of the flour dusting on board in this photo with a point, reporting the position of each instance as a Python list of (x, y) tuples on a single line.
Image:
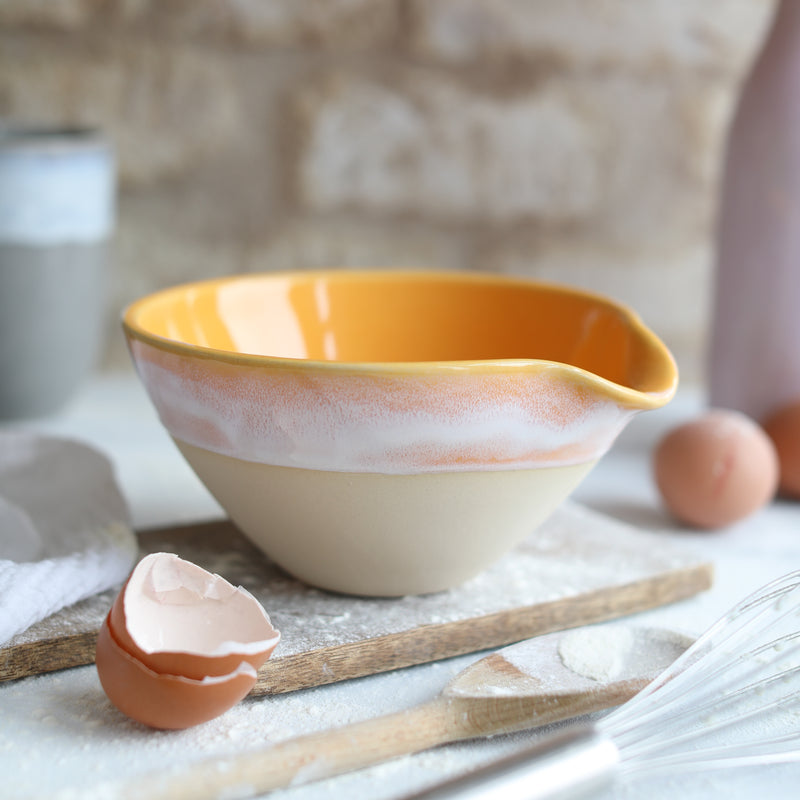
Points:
[(575, 552)]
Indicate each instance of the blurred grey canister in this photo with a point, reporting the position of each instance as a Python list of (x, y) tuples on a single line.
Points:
[(57, 210)]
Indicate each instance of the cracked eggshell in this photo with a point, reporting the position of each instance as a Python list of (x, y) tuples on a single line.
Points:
[(181, 645), (179, 619), (165, 701)]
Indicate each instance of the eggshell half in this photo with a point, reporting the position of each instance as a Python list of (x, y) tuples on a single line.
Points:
[(165, 701), (181, 645), (783, 427), (715, 470), (176, 618)]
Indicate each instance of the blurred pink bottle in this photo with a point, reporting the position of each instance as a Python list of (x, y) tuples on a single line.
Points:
[(755, 336)]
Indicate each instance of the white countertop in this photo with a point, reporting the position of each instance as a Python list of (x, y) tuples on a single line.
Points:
[(56, 730)]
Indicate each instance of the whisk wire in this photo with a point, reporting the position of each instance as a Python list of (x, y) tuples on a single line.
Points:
[(663, 741), (730, 677), (768, 751), (717, 699), (680, 678)]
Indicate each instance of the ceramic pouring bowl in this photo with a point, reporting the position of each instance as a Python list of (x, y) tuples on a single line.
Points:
[(390, 432)]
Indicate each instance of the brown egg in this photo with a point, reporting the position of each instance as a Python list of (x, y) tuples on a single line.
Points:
[(716, 470), (783, 427), (181, 645)]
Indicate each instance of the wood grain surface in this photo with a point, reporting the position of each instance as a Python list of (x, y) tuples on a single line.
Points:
[(578, 568)]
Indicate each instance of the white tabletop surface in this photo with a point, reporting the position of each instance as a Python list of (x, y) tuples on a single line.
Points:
[(58, 730)]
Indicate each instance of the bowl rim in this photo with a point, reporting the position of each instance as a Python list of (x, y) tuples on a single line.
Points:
[(134, 330)]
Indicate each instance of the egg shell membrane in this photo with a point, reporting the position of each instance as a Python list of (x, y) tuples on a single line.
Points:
[(168, 702), (190, 664)]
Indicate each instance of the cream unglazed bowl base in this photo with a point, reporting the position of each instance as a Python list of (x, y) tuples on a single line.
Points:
[(383, 535)]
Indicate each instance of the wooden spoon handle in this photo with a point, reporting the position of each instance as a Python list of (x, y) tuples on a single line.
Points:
[(333, 752), (305, 758)]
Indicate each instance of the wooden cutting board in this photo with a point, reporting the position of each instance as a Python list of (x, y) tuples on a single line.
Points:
[(579, 567)]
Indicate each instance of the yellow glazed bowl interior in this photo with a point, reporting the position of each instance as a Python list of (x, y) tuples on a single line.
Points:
[(392, 432)]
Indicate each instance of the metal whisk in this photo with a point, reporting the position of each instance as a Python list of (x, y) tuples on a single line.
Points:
[(700, 714)]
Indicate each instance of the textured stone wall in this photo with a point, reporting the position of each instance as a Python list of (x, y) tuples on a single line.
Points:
[(574, 140)]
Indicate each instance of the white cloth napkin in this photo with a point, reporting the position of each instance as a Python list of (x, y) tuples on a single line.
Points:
[(64, 528)]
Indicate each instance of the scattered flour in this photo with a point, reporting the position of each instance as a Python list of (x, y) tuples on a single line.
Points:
[(574, 552)]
